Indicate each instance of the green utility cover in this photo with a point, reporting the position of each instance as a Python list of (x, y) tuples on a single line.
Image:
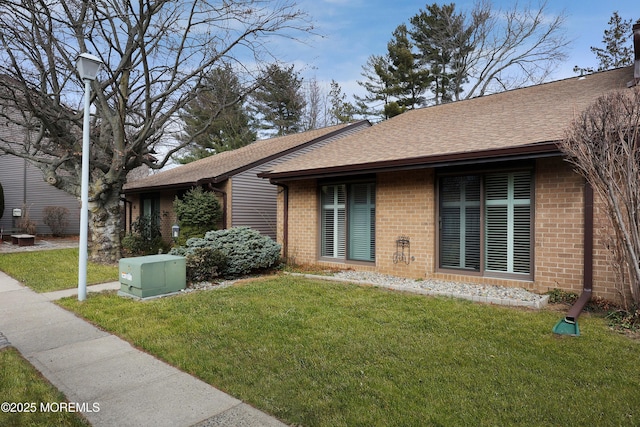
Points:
[(152, 275)]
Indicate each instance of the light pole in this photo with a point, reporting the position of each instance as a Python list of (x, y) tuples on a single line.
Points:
[(87, 66)]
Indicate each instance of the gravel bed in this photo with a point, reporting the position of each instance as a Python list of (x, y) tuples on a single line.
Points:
[(482, 293), (500, 295)]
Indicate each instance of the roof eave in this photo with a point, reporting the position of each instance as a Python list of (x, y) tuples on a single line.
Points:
[(536, 150)]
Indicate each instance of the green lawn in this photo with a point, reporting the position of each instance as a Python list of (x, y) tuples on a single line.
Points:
[(22, 385), (316, 353), (45, 271)]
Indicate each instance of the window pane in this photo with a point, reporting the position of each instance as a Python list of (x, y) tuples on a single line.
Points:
[(362, 222), (333, 221), (460, 222), (508, 222)]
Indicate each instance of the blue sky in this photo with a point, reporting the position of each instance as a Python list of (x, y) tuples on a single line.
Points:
[(353, 30)]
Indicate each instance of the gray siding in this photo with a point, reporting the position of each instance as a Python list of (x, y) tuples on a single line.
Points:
[(25, 186), (254, 200)]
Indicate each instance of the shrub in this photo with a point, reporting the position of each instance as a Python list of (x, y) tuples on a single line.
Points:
[(197, 212), (25, 224), (246, 250), (55, 217), (204, 264), (146, 238)]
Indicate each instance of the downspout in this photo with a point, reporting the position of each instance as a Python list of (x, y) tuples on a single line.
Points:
[(224, 204), (569, 325)]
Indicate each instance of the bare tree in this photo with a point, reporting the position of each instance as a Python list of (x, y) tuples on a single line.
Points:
[(155, 53), (465, 55), (314, 116), (603, 144), (512, 47)]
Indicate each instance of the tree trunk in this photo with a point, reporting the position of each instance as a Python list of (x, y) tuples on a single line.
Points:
[(105, 226)]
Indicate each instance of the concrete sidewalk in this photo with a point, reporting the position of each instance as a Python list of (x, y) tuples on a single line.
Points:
[(117, 384)]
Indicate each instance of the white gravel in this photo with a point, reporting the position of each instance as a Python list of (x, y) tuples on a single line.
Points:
[(500, 295)]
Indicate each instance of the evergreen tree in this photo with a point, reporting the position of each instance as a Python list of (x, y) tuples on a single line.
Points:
[(378, 85), (340, 111), (216, 120), (279, 100), (408, 81), (462, 55), (618, 50), (443, 41)]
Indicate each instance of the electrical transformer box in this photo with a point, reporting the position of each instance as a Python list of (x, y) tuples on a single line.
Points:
[(152, 275)]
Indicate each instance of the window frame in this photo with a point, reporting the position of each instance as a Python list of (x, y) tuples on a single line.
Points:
[(347, 183), (483, 271)]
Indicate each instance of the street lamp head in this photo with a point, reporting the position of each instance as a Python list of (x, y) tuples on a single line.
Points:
[(88, 66)]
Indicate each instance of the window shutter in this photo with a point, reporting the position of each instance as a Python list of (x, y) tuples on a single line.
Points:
[(333, 221), (508, 222), (460, 222), (362, 222)]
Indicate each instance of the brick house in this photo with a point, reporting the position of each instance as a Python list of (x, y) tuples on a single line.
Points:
[(246, 199), (473, 191)]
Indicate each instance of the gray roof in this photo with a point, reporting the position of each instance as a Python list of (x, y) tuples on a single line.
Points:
[(527, 120)]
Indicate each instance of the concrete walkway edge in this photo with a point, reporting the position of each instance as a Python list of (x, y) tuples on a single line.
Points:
[(115, 384)]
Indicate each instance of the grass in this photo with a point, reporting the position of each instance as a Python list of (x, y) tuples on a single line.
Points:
[(315, 353), (46, 271), (20, 383)]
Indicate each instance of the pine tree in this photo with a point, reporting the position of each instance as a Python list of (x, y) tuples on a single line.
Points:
[(279, 100), (378, 82), (443, 41), (216, 119), (408, 81), (618, 51), (340, 111)]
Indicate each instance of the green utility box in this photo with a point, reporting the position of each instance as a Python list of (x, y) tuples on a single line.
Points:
[(152, 275)]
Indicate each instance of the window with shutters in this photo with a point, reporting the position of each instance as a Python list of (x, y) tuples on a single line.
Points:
[(348, 221), (486, 223)]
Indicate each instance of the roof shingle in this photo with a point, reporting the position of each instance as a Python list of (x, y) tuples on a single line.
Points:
[(507, 120), (220, 166)]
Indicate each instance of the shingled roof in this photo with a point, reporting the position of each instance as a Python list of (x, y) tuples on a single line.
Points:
[(221, 166), (527, 121)]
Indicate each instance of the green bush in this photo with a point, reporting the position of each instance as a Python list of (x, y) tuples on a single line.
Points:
[(146, 238), (204, 264), (246, 250), (198, 212)]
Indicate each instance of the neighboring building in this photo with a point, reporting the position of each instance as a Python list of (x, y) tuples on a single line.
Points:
[(26, 190), (473, 191), (246, 199)]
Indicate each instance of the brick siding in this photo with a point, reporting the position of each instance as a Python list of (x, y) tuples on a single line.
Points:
[(406, 206)]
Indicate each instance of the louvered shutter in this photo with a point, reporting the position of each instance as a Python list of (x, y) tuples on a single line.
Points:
[(508, 222), (333, 219), (362, 222), (460, 222)]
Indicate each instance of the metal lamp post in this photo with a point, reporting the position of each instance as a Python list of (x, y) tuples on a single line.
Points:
[(87, 66)]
